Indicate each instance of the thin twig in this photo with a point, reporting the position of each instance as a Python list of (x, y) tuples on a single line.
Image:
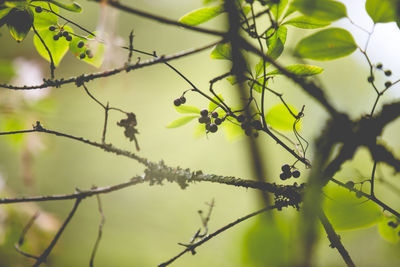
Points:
[(100, 232), (192, 247), (42, 258), (52, 66), (335, 239), (22, 237)]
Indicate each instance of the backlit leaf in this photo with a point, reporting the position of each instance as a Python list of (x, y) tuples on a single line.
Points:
[(57, 48), (321, 9), (300, 70), (181, 121), (201, 15), (187, 109), (346, 211), (389, 229), (381, 11), (326, 44), (221, 51), (279, 117), (305, 22)]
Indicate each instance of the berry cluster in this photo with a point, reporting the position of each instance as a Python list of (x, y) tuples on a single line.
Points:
[(289, 171), (61, 33), (387, 73), (250, 126), (179, 101), (211, 120)]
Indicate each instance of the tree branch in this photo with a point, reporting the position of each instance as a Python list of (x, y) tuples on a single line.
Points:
[(335, 239)]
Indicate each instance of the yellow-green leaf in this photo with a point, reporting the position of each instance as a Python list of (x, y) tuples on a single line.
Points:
[(381, 11), (221, 51), (187, 109), (279, 117), (389, 229), (300, 70), (181, 121), (346, 211), (326, 44), (57, 48), (201, 15)]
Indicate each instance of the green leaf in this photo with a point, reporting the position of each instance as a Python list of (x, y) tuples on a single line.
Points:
[(91, 46), (201, 15), (280, 33), (181, 121), (4, 11), (258, 86), (300, 70), (57, 48), (6, 70), (279, 117), (346, 211), (277, 9), (305, 22), (199, 130), (260, 67), (212, 106), (321, 9), (381, 11), (221, 51), (275, 48), (326, 44), (19, 23), (389, 232), (232, 79), (74, 7), (45, 19), (187, 109)]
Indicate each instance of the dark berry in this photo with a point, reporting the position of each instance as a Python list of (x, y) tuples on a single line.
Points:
[(248, 132), (204, 113), (60, 34), (69, 38), (257, 124), (388, 83), (379, 66), (65, 33), (52, 28), (182, 98), (388, 72), (240, 118), (56, 37), (218, 121), (286, 168), (349, 184), (177, 102), (255, 135), (213, 128), (296, 174), (38, 9), (80, 44), (207, 120), (202, 119), (370, 79), (283, 176), (392, 224), (358, 194), (208, 126), (214, 114), (82, 56)]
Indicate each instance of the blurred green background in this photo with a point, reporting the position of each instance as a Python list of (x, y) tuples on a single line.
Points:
[(144, 223)]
